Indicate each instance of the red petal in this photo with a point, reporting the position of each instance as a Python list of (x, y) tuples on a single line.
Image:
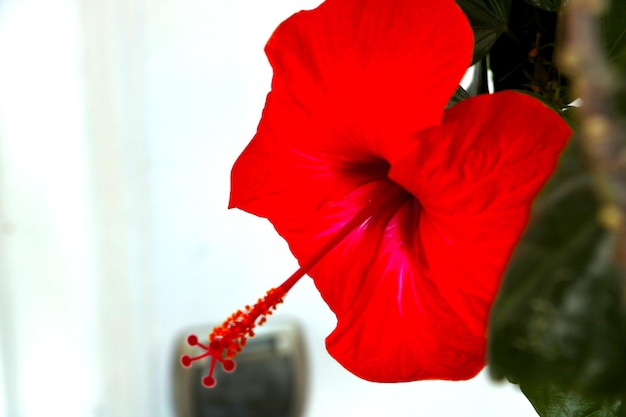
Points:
[(393, 323), (373, 68), (476, 178), (352, 79), (418, 303)]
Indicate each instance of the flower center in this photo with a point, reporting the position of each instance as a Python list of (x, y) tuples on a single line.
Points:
[(230, 337)]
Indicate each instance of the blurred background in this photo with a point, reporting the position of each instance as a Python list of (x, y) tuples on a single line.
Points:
[(119, 122)]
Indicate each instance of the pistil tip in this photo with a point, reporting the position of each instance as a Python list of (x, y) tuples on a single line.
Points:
[(185, 360), (209, 381), (231, 336)]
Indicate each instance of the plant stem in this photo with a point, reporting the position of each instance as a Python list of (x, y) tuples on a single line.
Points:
[(602, 130)]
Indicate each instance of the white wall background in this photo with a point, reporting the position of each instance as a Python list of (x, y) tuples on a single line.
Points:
[(119, 121)]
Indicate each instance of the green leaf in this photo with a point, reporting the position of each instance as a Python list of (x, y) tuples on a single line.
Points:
[(559, 316), (548, 5), (614, 34), (551, 401), (524, 57), (459, 95), (488, 19)]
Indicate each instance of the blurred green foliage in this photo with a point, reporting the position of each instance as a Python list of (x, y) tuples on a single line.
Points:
[(548, 5), (614, 35), (550, 400), (559, 321), (488, 19), (558, 326)]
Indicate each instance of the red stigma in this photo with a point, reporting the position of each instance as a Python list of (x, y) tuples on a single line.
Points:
[(227, 340)]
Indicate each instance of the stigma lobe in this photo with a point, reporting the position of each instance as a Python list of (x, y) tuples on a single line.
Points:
[(228, 339)]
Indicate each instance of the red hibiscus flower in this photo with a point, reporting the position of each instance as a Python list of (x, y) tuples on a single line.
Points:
[(404, 214)]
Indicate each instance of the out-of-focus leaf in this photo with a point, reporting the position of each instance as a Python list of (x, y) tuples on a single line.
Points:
[(548, 5), (559, 316), (620, 99), (551, 401), (488, 19), (614, 34), (523, 58), (459, 95)]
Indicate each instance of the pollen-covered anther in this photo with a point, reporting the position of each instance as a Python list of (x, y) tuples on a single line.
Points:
[(228, 339)]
